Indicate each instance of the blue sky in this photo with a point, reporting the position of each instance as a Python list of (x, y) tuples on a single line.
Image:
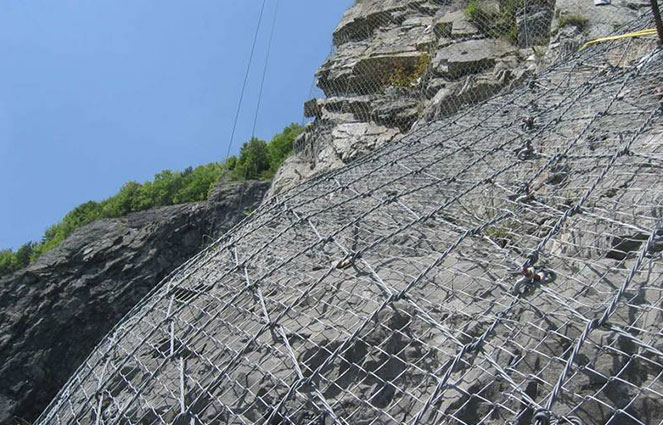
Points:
[(95, 93)]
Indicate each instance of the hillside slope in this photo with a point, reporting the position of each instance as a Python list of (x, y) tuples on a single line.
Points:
[(57, 309), (497, 265)]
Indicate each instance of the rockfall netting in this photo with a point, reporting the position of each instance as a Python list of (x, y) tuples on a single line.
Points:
[(398, 64), (498, 265)]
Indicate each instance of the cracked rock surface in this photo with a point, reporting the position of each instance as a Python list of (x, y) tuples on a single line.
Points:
[(437, 60), (485, 268), (57, 309)]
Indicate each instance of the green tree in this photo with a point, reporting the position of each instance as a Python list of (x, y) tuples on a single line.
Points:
[(231, 162), (281, 145), (7, 262), (165, 186), (197, 184), (23, 255), (253, 160), (257, 159), (123, 202)]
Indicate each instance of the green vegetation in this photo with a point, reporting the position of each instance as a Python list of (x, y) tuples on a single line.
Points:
[(502, 234), (496, 23), (539, 52), (475, 12), (257, 160), (406, 75), (574, 19), (12, 261)]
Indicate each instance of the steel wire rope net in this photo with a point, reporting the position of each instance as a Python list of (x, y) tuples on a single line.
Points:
[(498, 264)]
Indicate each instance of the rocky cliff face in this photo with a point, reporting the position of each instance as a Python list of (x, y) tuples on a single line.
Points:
[(56, 310), (500, 266), (397, 64), (481, 271)]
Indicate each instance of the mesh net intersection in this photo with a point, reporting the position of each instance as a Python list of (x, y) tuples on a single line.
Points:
[(501, 265)]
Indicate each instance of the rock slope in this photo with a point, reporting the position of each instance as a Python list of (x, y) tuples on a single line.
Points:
[(401, 62), (57, 309), (502, 265), (286, 324)]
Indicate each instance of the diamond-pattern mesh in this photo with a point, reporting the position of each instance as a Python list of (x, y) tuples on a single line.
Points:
[(499, 265)]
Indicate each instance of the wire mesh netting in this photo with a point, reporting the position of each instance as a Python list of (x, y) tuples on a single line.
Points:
[(402, 63), (497, 265)]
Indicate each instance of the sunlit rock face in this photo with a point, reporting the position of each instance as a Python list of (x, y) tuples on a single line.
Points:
[(394, 289), (401, 62)]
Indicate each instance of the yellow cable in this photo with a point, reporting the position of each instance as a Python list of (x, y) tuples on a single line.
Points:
[(641, 33)]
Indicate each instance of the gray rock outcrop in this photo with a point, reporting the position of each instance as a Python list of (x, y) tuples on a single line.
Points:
[(600, 21), (496, 267), (57, 309), (394, 63), (397, 63)]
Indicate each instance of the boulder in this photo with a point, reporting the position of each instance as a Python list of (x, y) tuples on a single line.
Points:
[(362, 69), (360, 21), (312, 108), (352, 140), (470, 57), (374, 73), (397, 108), (455, 25), (358, 106)]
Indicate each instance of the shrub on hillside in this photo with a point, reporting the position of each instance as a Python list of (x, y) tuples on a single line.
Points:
[(281, 145), (260, 160)]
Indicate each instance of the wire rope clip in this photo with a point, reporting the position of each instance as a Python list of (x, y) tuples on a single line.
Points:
[(530, 272), (347, 262), (526, 152), (534, 275), (528, 123), (530, 278), (542, 417)]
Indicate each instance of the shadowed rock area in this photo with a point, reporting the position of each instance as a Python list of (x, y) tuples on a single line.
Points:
[(57, 309)]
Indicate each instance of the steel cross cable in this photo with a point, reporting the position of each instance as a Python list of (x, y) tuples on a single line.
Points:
[(542, 416), (530, 261), (246, 78), (257, 280)]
